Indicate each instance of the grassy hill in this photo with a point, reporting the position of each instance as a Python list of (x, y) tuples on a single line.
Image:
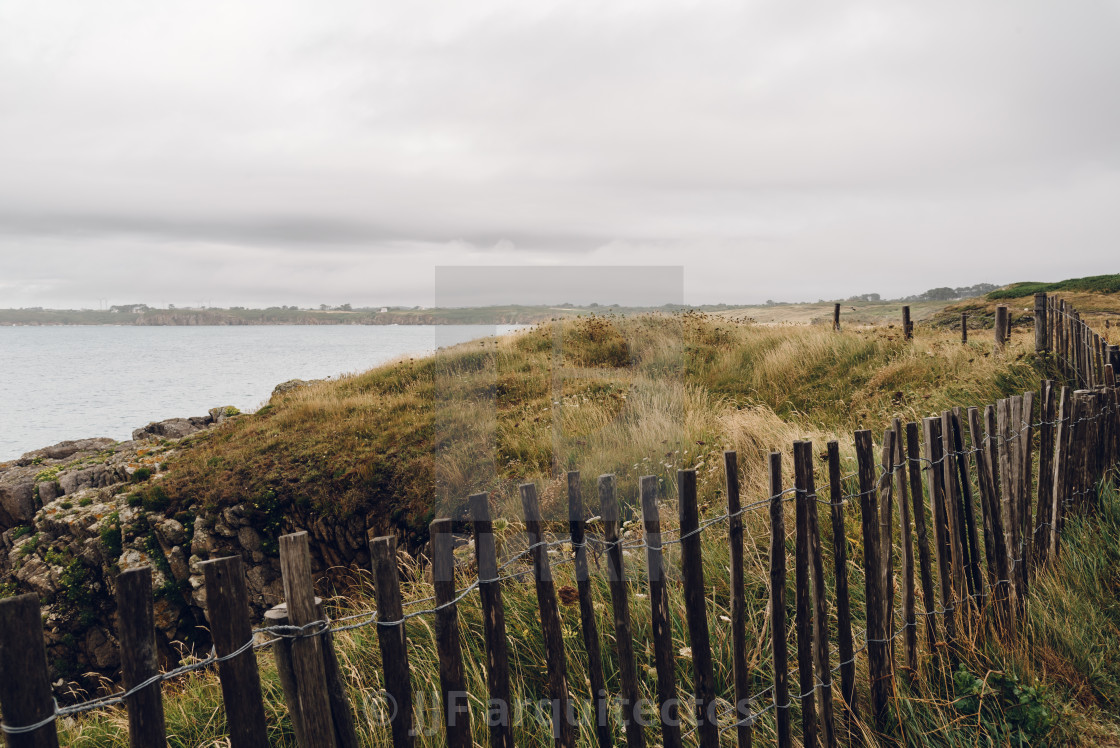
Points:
[(636, 396)]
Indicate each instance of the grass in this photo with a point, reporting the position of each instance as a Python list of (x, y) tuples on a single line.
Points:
[(1099, 284), (601, 394), (636, 396), (1057, 684)]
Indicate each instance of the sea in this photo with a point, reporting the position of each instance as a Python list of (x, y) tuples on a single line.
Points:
[(74, 382)]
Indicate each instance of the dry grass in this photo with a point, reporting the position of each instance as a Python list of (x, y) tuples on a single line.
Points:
[(641, 396)]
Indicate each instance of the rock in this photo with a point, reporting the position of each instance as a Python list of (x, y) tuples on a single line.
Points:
[(285, 387), (17, 502), (249, 538), (203, 542), (66, 449), (103, 652), (177, 559), (217, 415), (170, 533), (166, 615), (172, 428), (49, 490), (39, 576), (97, 476)]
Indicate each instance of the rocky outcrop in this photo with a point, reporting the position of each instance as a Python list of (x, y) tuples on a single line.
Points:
[(74, 515)]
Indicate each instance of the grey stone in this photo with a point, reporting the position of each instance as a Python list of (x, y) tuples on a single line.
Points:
[(17, 502), (249, 538)]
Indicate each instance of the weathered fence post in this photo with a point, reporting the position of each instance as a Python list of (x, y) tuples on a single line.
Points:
[(744, 731), (307, 651), (964, 327), (342, 716), (577, 531), (668, 702), (803, 464), (909, 616), (391, 636), (563, 731), (695, 607), (1008, 499), (1041, 339), (995, 553), (620, 606), (996, 472), (1001, 327), (925, 565), (804, 604), (844, 643), (1026, 516), (453, 687), (25, 686), (139, 660), (778, 603), (499, 716), (934, 458), (1040, 534), (886, 538), (836, 318), (952, 513), (227, 608), (877, 627), (907, 325), (974, 573)]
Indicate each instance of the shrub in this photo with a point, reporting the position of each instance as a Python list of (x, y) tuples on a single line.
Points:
[(141, 474)]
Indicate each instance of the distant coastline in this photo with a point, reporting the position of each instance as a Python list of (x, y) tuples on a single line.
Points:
[(141, 315)]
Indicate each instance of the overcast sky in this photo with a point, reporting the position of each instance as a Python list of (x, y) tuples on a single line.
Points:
[(290, 151)]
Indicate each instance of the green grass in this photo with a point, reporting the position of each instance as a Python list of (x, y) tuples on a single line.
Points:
[(1091, 284), (637, 396)]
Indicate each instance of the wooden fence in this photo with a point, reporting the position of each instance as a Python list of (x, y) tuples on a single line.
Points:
[(980, 480)]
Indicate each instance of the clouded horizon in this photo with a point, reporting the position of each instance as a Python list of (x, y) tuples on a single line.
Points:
[(289, 152)]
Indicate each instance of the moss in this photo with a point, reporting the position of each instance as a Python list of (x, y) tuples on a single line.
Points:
[(48, 475), (111, 537)]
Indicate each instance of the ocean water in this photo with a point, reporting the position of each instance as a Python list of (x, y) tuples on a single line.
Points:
[(63, 382)]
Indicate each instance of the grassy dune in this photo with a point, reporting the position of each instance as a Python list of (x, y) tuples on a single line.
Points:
[(638, 396)]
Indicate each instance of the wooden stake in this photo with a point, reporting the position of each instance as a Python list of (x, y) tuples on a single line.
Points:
[(909, 614), (695, 608), (620, 605), (972, 534), (804, 605), (744, 731), (667, 699), (934, 458), (877, 627), (925, 564), (778, 603), (563, 731), (452, 682), (227, 608), (803, 464), (1041, 340), (576, 530), (499, 715), (843, 603), (139, 660), (307, 651), (25, 686)]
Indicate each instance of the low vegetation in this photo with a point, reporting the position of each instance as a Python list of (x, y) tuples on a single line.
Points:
[(637, 396)]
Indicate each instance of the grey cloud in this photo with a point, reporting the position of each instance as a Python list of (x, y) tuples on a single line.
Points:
[(302, 150)]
